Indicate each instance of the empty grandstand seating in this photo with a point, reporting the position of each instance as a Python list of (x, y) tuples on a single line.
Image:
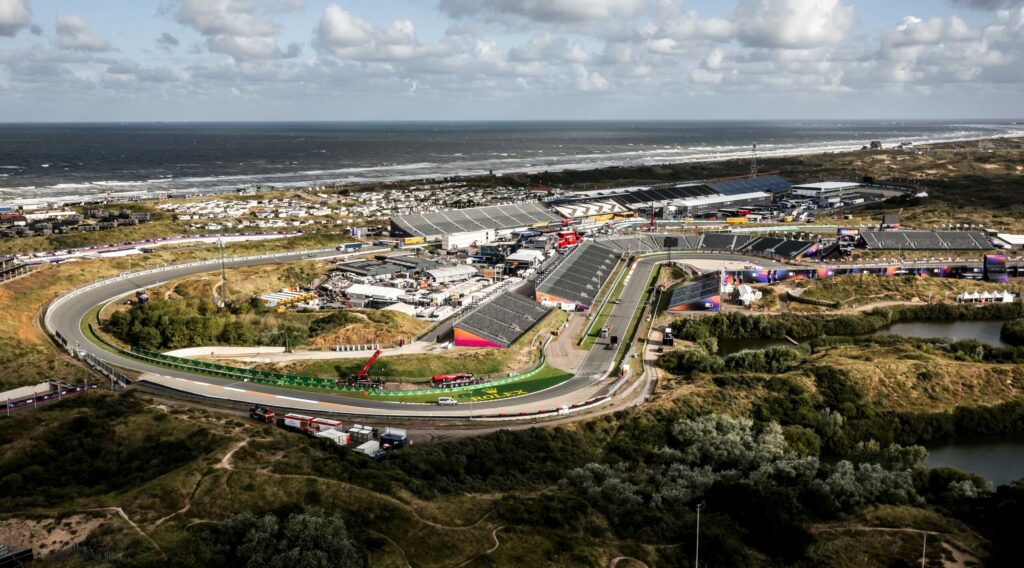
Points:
[(925, 240), (580, 277), (452, 221), (723, 241), (772, 246), (504, 319)]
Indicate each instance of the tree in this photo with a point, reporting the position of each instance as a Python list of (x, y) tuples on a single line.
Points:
[(149, 338), (311, 539)]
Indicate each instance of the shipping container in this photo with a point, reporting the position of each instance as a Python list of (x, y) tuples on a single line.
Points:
[(414, 240)]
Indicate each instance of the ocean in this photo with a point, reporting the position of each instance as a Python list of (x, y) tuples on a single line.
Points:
[(74, 162)]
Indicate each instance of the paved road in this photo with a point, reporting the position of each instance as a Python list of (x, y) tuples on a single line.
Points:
[(66, 317)]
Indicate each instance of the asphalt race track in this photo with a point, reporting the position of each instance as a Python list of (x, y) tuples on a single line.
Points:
[(65, 315)]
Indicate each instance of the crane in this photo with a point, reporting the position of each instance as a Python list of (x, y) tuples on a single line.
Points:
[(360, 377), (366, 367)]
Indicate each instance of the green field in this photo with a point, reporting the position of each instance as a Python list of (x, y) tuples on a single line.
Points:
[(547, 377)]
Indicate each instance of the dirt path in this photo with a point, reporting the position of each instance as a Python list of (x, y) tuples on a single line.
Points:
[(497, 543), (405, 557), (225, 462), (399, 503), (141, 532), (961, 558), (615, 561)]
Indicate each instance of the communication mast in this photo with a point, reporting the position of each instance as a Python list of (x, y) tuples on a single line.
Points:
[(753, 161)]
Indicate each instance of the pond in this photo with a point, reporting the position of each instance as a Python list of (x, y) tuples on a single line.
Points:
[(985, 331), (999, 459)]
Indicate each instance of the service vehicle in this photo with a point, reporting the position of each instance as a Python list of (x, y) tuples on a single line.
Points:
[(446, 401)]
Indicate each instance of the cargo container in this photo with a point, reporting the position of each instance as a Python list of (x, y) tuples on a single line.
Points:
[(394, 438), (348, 247), (413, 240), (308, 424), (736, 220), (337, 436)]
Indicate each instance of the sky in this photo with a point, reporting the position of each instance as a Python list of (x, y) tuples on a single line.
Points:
[(350, 60)]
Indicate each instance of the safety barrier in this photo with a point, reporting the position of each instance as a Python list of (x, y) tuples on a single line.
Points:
[(282, 379)]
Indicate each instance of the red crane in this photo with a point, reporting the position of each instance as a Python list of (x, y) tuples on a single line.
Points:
[(366, 367)]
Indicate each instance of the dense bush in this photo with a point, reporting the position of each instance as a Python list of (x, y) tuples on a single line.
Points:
[(736, 325), (93, 453), (1013, 332), (178, 323)]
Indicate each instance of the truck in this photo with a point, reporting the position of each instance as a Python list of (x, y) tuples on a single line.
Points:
[(604, 332), (394, 438), (667, 339), (262, 414), (406, 241), (613, 342), (349, 247), (308, 425)]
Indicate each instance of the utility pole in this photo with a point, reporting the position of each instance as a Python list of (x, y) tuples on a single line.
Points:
[(924, 550), (223, 274), (696, 554)]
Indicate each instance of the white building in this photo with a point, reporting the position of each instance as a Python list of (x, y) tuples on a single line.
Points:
[(454, 273), (825, 189)]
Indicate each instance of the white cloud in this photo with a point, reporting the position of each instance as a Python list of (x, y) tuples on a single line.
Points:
[(793, 23), (74, 33), (14, 15), (238, 28), (544, 11), (585, 80)]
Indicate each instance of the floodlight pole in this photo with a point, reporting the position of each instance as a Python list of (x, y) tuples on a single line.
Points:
[(924, 550), (696, 554)]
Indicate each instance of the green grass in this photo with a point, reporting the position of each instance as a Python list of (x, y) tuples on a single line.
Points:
[(547, 377), (594, 331)]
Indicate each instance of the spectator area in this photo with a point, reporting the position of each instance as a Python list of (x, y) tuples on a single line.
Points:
[(495, 217), (579, 278), (925, 240), (500, 322)]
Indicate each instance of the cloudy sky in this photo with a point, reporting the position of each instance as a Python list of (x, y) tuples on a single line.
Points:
[(175, 60)]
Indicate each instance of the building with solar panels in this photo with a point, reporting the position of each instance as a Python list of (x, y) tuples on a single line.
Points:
[(703, 294), (685, 198)]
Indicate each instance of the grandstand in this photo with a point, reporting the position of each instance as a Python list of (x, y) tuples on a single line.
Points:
[(723, 241), (704, 293), (500, 322), (578, 279), (589, 209), (453, 221), (925, 240), (784, 248)]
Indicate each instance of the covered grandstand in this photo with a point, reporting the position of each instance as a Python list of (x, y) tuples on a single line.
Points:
[(925, 240), (496, 217), (704, 293), (579, 278), (500, 322)]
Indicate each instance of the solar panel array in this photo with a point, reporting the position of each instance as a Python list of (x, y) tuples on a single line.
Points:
[(504, 319), (497, 217), (642, 197), (926, 240), (702, 287), (769, 184), (580, 277)]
